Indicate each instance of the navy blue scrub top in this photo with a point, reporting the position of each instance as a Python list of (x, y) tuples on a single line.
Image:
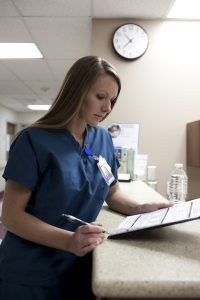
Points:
[(63, 179)]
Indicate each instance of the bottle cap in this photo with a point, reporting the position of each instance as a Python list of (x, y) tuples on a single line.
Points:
[(178, 165)]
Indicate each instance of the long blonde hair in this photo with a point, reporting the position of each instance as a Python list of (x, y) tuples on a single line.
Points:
[(79, 79)]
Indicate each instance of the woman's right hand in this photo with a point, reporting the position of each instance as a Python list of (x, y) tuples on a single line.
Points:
[(85, 239)]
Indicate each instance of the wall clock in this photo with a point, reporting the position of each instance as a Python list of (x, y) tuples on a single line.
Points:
[(130, 41)]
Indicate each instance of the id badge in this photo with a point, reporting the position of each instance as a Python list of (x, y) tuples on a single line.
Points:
[(105, 170)]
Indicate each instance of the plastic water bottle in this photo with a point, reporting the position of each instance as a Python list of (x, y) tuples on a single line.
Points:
[(177, 184)]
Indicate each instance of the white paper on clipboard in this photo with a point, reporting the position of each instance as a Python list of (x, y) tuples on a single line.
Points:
[(178, 213)]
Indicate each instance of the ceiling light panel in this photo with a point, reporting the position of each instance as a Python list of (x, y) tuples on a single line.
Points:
[(19, 50), (185, 9)]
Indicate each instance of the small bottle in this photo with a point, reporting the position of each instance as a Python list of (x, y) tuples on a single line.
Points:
[(177, 184)]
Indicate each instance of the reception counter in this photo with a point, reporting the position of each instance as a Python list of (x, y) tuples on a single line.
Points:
[(162, 263)]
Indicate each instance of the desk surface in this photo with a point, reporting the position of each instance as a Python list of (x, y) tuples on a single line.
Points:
[(163, 262)]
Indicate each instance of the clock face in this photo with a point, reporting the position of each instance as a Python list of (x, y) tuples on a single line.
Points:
[(130, 41)]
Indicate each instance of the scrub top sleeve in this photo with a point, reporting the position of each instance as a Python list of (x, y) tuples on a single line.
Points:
[(22, 165)]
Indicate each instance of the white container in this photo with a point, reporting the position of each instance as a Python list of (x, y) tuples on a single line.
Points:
[(151, 173)]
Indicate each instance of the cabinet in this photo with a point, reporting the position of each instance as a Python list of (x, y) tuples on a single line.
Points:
[(193, 144)]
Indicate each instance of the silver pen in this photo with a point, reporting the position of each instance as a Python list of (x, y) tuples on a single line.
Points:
[(75, 220)]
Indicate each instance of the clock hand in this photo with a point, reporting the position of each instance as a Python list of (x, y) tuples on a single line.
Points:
[(127, 37), (126, 44), (130, 41)]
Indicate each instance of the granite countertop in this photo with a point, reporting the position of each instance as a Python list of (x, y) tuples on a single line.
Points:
[(163, 262)]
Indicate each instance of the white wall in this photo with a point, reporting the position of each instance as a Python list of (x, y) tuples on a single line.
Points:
[(160, 90)]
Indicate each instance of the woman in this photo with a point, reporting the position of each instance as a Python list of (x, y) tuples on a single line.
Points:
[(56, 167)]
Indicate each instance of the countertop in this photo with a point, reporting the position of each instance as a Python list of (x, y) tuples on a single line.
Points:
[(158, 263)]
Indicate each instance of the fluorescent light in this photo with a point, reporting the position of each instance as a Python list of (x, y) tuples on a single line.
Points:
[(185, 9), (39, 107), (19, 50)]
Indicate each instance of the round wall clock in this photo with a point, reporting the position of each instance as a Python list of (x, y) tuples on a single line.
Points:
[(130, 41)]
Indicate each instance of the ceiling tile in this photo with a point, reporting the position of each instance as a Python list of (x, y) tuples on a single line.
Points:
[(60, 67), (45, 89), (62, 38), (30, 69), (130, 9), (14, 88), (5, 73), (54, 7), (13, 30), (7, 9)]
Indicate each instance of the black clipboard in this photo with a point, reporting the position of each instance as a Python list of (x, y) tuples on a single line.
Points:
[(178, 213)]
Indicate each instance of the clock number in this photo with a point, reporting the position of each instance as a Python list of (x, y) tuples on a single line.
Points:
[(130, 27)]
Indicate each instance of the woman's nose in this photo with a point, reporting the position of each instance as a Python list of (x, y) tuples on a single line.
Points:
[(107, 107)]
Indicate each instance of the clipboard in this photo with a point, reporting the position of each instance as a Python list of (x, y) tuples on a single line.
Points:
[(178, 213)]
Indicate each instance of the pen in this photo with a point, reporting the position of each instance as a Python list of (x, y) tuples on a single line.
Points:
[(75, 220)]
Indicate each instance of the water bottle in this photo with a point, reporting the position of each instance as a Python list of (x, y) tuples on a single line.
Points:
[(177, 184)]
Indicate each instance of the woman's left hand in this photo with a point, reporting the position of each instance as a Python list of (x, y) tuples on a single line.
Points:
[(151, 206)]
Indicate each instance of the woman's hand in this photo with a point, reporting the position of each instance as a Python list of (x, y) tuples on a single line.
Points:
[(85, 239), (151, 206)]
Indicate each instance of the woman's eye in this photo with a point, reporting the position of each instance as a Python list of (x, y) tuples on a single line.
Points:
[(100, 97)]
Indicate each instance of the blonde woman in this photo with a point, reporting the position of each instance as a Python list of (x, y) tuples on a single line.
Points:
[(54, 168)]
